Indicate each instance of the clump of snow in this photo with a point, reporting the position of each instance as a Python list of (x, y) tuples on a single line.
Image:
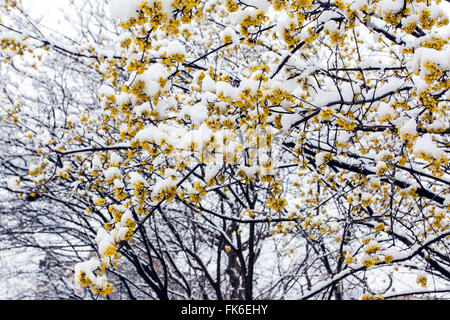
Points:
[(394, 253), (385, 111), (173, 48), (383, 155), (112, 173), (118, 184), (136, 178), (142, 109), (262, 5), (121, 229), (249, 84), (331, 26), (197, 113), (321, 158), (287, 120), (237, 17), (437, 125), (124, 9), (439, 57), (162, 185), (447, 200), (226, 89), (72, 119), (392, 85), (410, 127), (104, 240), (151, 88), (87, 267), (229, 32), (13, 183), (211, 171), (426, 145), (106, 91), (149, 133), (387, 6), (208, 84), (154, 72), (250, 172), (96, 163), (344, 136)]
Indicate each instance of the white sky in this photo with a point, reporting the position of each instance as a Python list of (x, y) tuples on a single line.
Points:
[(52, 12)]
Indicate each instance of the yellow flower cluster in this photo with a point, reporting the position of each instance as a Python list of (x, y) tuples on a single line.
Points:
[(276, 203), (370, 261), (436, 43), (422, 280)]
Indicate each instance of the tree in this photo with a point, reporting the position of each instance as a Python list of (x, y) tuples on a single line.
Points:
[(235, 149)]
